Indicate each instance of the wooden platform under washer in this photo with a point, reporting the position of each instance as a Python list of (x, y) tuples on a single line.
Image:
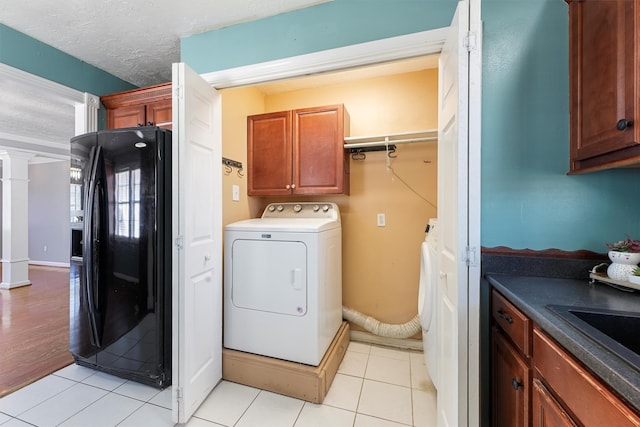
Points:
[(310, 383)]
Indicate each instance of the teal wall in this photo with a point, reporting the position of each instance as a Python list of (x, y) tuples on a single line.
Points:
[(528, 201), (326, 26), (25, 53)]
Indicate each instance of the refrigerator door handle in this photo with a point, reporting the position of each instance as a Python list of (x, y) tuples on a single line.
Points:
[(88, 248)]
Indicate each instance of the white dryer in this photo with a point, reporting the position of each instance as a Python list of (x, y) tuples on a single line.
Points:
[(428, 299), (283, 282)]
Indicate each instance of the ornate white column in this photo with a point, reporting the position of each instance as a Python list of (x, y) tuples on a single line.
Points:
[(15, 218), (87, 114)]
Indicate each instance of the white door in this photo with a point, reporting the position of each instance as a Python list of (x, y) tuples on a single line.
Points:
[(197, 237), (453, 219)]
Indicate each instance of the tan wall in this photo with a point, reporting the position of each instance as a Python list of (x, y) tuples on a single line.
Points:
[(238, 103), (380, 264)]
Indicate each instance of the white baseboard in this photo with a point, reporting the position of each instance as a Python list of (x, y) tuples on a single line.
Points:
[(49, 263), (369, 338)]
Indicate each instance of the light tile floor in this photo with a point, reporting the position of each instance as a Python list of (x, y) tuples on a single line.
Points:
[(375, 387)]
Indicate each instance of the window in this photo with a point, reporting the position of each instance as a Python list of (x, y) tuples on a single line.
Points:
[(127, 189), (75, 175), (76, 197)]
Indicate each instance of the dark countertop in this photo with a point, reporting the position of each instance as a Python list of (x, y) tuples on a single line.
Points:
[(532, 294)]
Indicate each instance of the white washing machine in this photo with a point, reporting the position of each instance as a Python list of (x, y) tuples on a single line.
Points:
[(428, 299), (283, 282)]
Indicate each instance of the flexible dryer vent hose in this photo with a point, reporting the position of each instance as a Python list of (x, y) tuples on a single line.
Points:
[(376, 327)]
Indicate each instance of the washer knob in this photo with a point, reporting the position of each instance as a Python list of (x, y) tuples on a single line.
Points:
[(316, 208), (297, 208), (271, 208), (280, 208), (325, 208)]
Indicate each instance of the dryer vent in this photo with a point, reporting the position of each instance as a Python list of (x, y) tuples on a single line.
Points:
[(376, 327)]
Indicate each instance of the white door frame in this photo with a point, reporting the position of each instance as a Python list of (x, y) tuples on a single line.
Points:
[(397, 48)]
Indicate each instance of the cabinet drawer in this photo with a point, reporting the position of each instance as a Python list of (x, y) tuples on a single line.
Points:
[(512, 321), (581, 393)]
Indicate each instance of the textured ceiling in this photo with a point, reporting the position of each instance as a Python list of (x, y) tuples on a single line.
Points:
[(136, 40)]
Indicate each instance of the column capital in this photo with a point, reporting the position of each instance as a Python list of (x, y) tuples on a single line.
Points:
[(15, 154)]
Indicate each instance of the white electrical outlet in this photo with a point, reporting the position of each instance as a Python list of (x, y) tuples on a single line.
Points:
[(235, 190), (382, 221)]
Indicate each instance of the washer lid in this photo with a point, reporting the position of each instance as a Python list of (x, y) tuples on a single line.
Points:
[(297, 225)]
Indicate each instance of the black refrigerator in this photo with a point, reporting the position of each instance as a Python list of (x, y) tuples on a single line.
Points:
[(120, 306)]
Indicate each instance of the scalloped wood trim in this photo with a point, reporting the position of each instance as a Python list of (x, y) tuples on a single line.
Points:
[(545, 253)]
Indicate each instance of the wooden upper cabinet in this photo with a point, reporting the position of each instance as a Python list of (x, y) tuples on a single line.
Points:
[(269, 155), (298, 152), (126, 117), (604, 84), (150, 106)]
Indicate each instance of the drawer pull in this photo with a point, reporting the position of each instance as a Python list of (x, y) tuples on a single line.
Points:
[(503, 315), (516, 384)]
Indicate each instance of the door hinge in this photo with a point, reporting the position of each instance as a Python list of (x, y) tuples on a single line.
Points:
[(179, 242), (178, 92), (470, 256), (470, 41), (179, 400)]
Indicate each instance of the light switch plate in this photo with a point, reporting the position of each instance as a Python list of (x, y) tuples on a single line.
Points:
[(235, 190)]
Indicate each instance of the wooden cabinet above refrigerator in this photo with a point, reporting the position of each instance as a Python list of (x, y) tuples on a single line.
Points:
[(150, 106)]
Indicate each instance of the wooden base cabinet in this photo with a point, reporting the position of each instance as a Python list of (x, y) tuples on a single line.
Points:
[(582, 394), (511, 383), (547, 412), (550, 387), (149, 106), (298, 152), (604, 73)]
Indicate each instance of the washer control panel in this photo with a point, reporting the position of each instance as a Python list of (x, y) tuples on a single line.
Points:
[(302, 210)]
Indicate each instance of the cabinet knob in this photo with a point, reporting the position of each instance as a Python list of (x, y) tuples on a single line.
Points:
[(624, 124), (505, 316), (516, 384), (293, 186), (288, 187)]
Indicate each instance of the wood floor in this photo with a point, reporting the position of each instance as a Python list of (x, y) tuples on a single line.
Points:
[(34, 328)]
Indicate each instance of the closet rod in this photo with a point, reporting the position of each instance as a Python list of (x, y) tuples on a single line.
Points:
[(395, 141)]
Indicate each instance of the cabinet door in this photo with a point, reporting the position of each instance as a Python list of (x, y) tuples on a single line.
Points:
[(602, 59), (546, 410), (126, 117), (318, 150), (584, 395), (269, 154), (159, 114), (511, 384)]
